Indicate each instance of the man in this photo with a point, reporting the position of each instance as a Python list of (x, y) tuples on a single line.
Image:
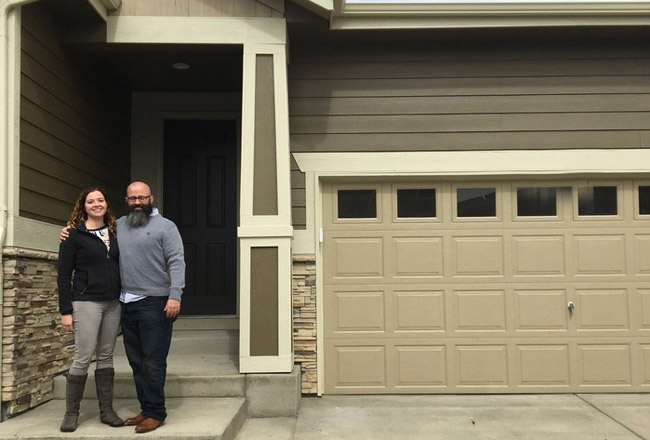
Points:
[(152, 270)]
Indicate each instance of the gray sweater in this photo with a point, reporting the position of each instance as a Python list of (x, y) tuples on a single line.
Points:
[(145, 254)]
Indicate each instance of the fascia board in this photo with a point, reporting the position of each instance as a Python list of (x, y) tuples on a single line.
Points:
[(496, 7), (324, 8), (477, 22), (327, 5), (494, 14)]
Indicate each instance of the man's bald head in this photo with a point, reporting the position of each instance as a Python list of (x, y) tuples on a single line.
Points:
[(140, 187)]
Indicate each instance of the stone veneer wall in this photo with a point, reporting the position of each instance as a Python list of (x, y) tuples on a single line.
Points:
[(304, 320), (34, 348)]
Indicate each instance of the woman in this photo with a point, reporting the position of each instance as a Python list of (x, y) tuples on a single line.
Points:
[(89, 291)]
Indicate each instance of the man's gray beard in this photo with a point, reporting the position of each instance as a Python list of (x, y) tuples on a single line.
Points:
[(137, 218)]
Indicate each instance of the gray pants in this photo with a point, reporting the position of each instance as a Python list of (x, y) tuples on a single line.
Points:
[(96, 324)]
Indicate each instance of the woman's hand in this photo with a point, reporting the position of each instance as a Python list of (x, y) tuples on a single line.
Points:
[(66, 323)]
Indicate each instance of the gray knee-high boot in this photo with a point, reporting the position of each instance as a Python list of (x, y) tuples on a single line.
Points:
[(74, 391), (104, 382)]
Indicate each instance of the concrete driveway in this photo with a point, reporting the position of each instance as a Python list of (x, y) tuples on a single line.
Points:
[(499, 417)]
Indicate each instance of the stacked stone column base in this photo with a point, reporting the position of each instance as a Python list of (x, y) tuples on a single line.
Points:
[(34, 347), (304, 320)]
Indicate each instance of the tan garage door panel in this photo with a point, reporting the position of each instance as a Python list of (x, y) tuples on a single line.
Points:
[(455, 301)]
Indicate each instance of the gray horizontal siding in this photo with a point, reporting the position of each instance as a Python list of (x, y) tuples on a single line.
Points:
[(75, 125), (454, 105), (298, 205), (440, 123), (494, 86), (490, 68), (407, 94), (516, 140)]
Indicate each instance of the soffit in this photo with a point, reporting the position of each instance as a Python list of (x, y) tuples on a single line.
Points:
[(148, 67), (143, 67)]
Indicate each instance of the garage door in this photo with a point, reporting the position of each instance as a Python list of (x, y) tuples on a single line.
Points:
[(486, 287)]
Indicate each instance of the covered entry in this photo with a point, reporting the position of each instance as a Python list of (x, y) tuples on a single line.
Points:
[(486, 286), (97, 89), (200, 189)]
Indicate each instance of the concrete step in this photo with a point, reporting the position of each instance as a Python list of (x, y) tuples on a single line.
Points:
[(196, 367), (188, 418), (198, 342)]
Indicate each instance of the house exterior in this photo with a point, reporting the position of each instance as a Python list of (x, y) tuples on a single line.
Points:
[(438, 197)]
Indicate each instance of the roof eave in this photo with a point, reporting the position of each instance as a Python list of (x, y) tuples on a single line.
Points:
[(324, 8), (447, 14)]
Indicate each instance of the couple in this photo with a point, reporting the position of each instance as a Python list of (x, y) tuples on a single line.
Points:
[(130, 270)]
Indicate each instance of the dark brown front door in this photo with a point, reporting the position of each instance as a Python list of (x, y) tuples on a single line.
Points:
[(200, 188)]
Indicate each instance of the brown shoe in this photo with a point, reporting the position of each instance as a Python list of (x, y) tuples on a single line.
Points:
[(133, 421), (147, 425)]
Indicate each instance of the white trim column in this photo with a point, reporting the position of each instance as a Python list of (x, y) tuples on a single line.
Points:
[(265, 230)]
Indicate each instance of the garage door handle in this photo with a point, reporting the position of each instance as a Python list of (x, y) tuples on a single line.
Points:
[(571, 308)]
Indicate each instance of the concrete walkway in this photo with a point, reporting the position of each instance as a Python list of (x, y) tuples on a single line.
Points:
[(529, 417), (503, 417)]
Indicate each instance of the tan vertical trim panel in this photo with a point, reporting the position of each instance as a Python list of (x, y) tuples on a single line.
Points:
[(265, 185), (283, 361), (264, 301)]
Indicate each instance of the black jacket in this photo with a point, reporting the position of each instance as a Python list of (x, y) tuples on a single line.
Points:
[(87, 271)]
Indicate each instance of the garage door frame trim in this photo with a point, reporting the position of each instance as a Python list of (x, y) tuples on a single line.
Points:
[(317, 166)]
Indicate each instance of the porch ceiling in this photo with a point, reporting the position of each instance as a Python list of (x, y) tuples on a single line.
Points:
[(148, 67), (144, 67)]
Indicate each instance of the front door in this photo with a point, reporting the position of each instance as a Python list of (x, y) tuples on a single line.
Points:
[(200, 182)]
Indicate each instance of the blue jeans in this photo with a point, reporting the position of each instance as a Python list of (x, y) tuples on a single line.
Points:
[(147, 334)]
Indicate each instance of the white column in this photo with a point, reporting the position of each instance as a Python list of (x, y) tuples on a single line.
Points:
[(265, 233)]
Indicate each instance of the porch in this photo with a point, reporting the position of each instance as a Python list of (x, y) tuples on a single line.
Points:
[(206, 395)]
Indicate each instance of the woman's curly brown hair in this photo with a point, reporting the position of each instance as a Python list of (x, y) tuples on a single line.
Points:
[(79, 214)]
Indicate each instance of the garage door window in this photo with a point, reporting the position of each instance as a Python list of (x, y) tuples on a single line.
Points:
[(644, 200), (357, 203), (597, 200), (537, 201), (416, 203), (476, 202)]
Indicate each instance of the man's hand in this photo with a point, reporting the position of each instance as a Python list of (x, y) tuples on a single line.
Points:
[(64, 233), (173, 307), (66, 323)]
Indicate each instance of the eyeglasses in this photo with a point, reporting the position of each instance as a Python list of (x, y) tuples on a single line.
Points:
[(138, 198)]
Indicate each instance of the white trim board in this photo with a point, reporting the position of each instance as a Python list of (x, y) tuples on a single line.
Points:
[(471, 163), (195, 30), (486, 13), (33, 234)]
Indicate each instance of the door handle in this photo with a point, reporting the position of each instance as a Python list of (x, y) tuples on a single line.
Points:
[(571, 308)]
